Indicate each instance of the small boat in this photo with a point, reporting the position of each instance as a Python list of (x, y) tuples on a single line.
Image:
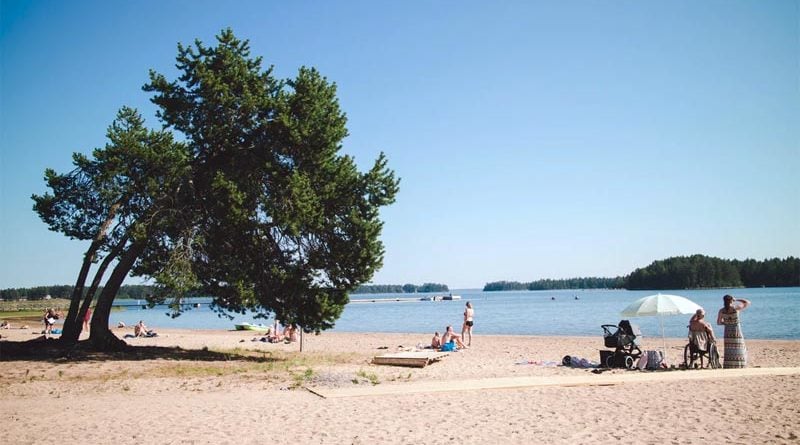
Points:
[(451, 297), (251, 327)]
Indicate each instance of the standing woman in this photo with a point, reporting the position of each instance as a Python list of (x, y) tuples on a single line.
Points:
[(466, 328), (735, 350)]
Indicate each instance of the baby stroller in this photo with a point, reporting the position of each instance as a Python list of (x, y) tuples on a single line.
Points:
[(624, 339), (699, 347)]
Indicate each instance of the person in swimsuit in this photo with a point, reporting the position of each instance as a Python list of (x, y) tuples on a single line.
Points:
[(436, 342), (86, 319), (466, 328), (450, 336), (49, 320)]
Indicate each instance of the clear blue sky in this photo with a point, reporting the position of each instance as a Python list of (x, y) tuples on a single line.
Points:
[(534, 140)]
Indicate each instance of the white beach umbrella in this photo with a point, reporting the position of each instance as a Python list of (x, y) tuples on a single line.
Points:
[(660, 305)]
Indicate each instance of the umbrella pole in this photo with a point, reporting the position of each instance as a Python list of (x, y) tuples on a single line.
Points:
[(663, 339)]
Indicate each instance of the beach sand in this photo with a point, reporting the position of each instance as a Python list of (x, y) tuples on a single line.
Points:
[(223, 388)]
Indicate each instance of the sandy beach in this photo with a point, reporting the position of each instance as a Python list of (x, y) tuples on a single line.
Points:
[(221, 387)]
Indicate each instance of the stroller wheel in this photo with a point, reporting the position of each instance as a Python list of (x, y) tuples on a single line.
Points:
[(628, 362)]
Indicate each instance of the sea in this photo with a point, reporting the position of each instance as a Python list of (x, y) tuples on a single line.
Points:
[(774, 313)]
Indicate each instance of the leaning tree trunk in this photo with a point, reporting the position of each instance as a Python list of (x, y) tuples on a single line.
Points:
[(71, 329), (98, 277), (73, 323), (101, 337)]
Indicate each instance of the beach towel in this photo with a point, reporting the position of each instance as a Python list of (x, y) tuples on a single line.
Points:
[(577, 362)]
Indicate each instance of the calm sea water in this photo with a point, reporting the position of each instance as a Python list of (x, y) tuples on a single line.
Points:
[(774, 313)]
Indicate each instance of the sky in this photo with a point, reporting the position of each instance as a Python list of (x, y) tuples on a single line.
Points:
[(533, 139)]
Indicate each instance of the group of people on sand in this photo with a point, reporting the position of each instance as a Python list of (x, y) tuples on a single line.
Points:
[(51, 315), (289, 334), (701, 333), (450, 341)]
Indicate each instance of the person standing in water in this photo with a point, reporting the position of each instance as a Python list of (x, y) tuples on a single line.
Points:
[(466, 328)]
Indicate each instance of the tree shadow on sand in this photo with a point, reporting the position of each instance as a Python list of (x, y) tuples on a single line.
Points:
[(52, 350)]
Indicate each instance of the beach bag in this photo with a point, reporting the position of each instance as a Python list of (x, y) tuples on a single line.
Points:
[(654, 359)]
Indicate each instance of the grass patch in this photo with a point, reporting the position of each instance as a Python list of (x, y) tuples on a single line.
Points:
[(370, 377), (20, 314), (35, 306), (300, 378)]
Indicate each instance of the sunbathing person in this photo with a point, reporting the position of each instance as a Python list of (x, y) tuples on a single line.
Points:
[(290, 333), (275, 336), (140, 330), (436, 341), (450, 336)]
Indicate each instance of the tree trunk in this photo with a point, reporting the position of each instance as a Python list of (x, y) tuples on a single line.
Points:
[(73, 323), (71, 329), (101, 338), (98, 276)]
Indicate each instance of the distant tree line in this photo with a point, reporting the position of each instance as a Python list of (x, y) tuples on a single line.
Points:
[(132, 291), (681, 272), (700, 271), (142, 292), (548, 284), (400, 288)]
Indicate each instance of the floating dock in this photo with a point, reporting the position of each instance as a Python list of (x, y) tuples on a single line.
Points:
[(406, 299)]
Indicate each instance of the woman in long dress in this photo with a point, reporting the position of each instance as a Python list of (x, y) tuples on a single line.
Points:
[(735, 349)]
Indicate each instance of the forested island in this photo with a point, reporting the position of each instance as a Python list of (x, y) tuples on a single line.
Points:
[(700, 271), (570, 283), (680, 272)]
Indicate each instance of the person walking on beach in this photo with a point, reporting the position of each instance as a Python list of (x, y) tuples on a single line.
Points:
[(735, 349), (86, 319), (466, 328)]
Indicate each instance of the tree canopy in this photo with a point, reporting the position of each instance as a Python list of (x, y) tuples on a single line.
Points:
[(255, 206)]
